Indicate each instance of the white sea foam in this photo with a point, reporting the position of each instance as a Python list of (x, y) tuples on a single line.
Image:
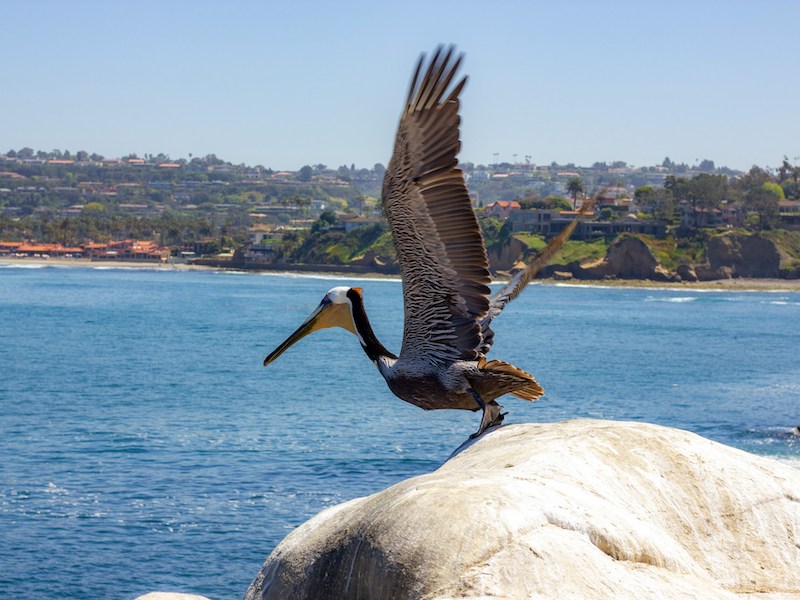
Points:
[(24, 266), (679, 299)]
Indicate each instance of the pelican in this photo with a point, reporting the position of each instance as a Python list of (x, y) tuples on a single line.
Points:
[(448, 306)]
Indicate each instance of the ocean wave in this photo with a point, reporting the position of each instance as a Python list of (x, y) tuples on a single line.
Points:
[(678, 299), (25, 266)]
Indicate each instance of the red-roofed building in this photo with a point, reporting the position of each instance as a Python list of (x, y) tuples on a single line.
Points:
[(46, 250), (502, 208), (7, 248), (128, 250)]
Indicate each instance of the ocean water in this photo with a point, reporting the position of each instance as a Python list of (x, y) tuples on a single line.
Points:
[(143, 446)]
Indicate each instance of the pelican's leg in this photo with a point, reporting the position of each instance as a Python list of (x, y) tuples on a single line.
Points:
[(491, 414)]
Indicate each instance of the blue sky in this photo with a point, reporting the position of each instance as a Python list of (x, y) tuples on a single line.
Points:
[(285, 84)]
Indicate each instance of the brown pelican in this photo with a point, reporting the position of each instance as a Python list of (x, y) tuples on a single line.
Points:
[(443, 265)]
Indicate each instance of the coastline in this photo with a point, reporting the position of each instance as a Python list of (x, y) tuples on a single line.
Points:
[(91, 264), (740, 284)]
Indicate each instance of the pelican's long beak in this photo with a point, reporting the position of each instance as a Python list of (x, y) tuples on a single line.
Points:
[(327, 314)]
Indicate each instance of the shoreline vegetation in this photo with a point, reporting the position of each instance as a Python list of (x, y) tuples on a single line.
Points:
[(733, 284)]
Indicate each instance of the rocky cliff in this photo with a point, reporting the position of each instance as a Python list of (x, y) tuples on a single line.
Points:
[(628, 257), (581, 509), (738, 255), (726, 256)]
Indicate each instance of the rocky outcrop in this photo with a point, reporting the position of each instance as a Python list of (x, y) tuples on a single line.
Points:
[(581, 509), (740, 255), (503, 257), (628, 257)]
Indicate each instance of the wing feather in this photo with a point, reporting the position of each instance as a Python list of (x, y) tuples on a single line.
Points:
[(438, 240), (512, 289)]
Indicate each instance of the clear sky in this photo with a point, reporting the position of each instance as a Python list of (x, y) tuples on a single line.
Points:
[(283, 84)]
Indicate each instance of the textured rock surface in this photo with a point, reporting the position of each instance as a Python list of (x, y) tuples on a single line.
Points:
[(628, 257), (503, 257), (581, 509), (170, 596), (739, 255)]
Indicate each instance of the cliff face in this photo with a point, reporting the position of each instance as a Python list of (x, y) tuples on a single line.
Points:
[(738, 255), (628, 257), (581, 509), (726, 257), (504, 257)]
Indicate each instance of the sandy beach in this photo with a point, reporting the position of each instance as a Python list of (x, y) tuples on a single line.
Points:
[(743, 284)]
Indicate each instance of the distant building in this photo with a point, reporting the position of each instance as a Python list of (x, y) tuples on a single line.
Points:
[(32, 249), (257, 253), (614, 197), (258, 233), (694, 216), (127, 250), (732, 214), (550, 222), (502, 208), (789, 214)]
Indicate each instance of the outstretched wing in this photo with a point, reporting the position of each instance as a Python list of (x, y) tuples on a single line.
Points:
[(521, 278), (438, 241)]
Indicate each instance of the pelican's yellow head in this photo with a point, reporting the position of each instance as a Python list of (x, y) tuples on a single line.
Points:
[(335, 310)]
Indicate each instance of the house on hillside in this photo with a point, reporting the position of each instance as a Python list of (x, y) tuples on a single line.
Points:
[(502, 208), (617, 197), (732, 214), (695, 216), (789, 214), (550, 222)]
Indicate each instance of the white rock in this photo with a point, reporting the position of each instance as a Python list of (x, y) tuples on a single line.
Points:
[(581, 509), (170, 596)]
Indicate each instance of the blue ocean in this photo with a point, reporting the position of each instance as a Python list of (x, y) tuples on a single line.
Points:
[(143, 446)]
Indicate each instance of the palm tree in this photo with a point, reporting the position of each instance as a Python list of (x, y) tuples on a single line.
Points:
[(575, 187)]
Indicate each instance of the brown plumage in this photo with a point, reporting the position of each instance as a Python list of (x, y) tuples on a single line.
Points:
[(443, 265)]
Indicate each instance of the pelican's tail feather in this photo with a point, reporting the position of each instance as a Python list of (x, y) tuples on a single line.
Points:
[(511, 379)]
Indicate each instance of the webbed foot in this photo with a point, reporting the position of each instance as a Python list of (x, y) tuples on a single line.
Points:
[(492, 416)]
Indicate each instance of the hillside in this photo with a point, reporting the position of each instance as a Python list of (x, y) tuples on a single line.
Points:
[(323, 216)]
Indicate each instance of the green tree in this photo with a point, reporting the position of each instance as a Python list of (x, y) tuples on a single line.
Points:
[(762, 203), (304, 202), (759, 198), (773, 187), (305, 173), (575, 187), (703, 192), (709, 191), (326, 219), (658, 202), (707, 166)]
